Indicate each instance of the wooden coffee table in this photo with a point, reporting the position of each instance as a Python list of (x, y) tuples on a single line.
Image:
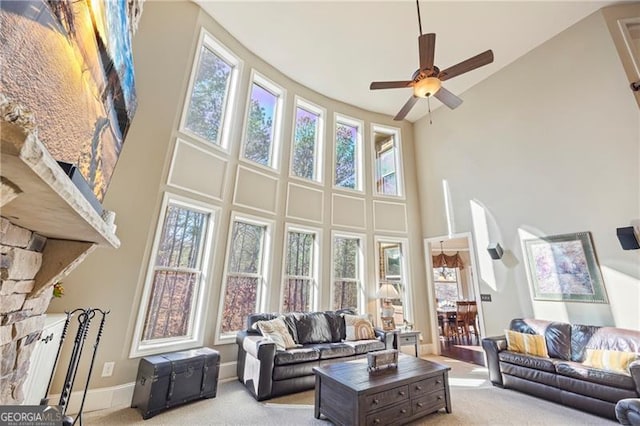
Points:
[(347, 394)]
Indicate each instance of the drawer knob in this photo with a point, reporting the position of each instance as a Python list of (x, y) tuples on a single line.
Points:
[(376, 421), (418, 387), (375, 401), (419, 404), (403, 411), (401, 393), (439, 382), (439, 397)]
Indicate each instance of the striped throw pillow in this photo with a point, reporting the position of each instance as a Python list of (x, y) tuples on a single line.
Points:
[(530, 344), (604, 359)]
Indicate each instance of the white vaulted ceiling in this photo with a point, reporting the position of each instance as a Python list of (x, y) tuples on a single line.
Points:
[(338, 47)]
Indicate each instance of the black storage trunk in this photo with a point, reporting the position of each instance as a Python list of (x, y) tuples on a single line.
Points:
[(174, 378)]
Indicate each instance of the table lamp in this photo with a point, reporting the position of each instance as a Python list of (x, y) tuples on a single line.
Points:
[(387, 292)]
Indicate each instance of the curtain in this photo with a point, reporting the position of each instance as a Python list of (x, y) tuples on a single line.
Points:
[(453, 261)]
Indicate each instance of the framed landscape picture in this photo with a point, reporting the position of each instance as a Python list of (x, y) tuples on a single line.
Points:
[(564, 268)]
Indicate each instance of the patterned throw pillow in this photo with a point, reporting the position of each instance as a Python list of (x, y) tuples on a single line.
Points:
[(530, 344), (358, 327), (277, 331), (604, 359)]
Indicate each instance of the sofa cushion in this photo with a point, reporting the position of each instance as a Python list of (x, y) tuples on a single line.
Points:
[(594, 375), (277, 331), (537, 363), (615, 361), (529, 374), (290, 371), (532, 344), (364, 346), (334, 350), (294, 356), (557, 335), (358, 327)]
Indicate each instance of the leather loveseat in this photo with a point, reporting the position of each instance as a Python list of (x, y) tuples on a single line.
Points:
[(320, 339), (572, 372)]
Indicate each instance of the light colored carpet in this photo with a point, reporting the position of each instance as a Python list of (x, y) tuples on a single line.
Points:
[(474, 402)]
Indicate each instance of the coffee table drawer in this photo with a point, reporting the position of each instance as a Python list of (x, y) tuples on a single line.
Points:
[(428, 403), (425, 386), (381, 399), (390, 415)]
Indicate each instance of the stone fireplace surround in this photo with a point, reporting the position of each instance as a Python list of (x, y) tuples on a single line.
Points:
[(47, 228)]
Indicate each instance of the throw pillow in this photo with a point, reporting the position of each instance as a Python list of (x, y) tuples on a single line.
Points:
[(530, 344), (604, 359), (358, 327), (277, 331), (313, 327)]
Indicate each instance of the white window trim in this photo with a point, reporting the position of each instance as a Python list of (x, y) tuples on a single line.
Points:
[(407, 299), (316, 273), (359, 124), (209, 41), (300, 102), (262, 294), (198, 315), (275, 149), (362, 293), (396, 132)]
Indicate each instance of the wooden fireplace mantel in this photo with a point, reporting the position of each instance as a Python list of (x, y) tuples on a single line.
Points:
[(45, 200)]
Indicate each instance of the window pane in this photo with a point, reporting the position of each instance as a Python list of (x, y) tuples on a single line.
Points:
[(246, 248), (170, 306), (299, 254), (297, 295), (345, 295), (262, 110), (345, 261), (386, 163), (208, 96), (446, 291), (239, 301), (346, 156), (181, 238), (304, 144)]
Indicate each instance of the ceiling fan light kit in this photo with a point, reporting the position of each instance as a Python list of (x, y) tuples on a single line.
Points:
[(427, 80), (427, 87)]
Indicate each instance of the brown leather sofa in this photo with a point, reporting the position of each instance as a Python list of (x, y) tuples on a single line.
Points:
[(628, 411), (268, 372), (562, 377)]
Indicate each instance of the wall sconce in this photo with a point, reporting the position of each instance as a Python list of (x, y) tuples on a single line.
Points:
[(627, 237), (495, 251)]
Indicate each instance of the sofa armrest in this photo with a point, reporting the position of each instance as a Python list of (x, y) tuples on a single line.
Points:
[(634, 369), (492, 346), (386, 337), (256, 356)]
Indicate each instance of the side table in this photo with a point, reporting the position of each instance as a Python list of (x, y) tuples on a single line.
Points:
[(403, 338)]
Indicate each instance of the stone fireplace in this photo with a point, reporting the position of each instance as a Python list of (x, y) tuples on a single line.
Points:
[(47, 228)]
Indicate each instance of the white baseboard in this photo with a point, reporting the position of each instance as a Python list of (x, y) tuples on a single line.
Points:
[(117, 396), (98, 399)]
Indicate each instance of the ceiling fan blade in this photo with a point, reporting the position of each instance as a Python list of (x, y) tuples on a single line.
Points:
[(427, 49), (406, 108), (390, 84), (448, 98), (477, 61)]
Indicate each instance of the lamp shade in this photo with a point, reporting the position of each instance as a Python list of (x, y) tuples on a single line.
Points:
[(387, 291)]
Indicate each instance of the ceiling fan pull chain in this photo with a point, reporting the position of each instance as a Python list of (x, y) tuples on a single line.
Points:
[(429, 106), (419, 20)]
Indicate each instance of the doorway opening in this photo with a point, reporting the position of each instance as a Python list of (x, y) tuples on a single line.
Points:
[(454, 297)]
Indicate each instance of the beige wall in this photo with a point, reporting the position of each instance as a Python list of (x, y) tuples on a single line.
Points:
[(114, 279), (548, 145)]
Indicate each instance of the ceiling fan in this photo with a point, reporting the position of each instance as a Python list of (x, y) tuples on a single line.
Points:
[(427, 80)]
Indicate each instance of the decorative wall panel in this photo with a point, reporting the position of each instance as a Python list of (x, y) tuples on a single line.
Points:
[(389, 216), (197, 170), (304, 203), (348, 211), (256, 190)]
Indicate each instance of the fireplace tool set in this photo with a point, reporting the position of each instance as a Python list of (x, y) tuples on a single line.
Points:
[(84, 318)]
